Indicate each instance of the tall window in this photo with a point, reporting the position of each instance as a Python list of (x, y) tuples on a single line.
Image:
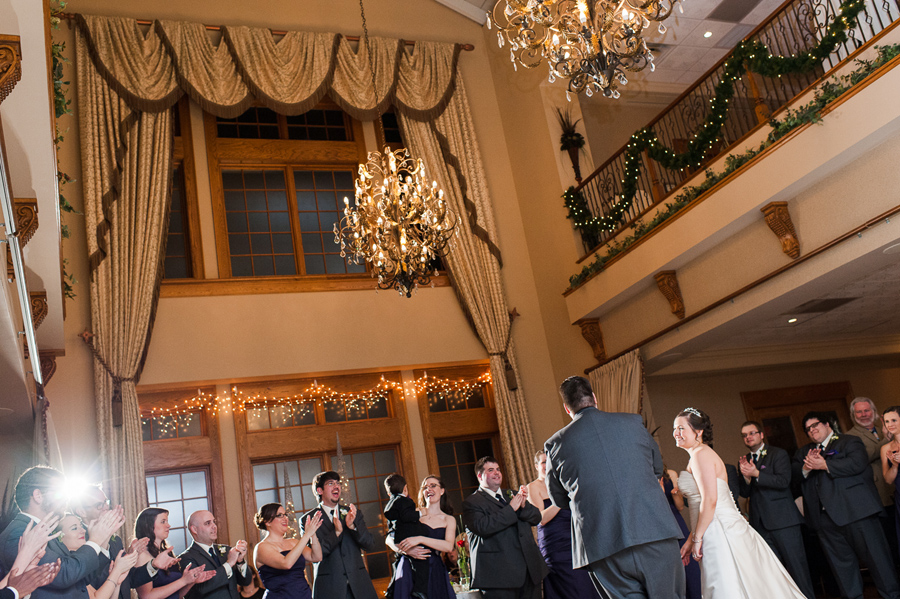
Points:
[(182, 494), (178, 247), (278, 189), (365, 474), (457, 467)]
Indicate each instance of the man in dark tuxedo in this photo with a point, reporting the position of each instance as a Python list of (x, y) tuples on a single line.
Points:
[(843, 507), (766, 481), (39, 493), (229, 563), (606, 467), (343, 535), (506, 563)]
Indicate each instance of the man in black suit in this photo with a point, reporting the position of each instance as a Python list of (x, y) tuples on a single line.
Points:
[(343, 535), (766, 481), (606, 467), (39, 493), (843, 507), (229, 563), (506, 563)]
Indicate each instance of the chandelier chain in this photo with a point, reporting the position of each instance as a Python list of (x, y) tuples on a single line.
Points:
[(378, 124)]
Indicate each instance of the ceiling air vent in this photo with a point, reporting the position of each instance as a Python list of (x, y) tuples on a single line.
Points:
[(821, 305), (732, 11)]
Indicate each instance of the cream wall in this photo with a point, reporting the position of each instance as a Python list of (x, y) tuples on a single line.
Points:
[(719, 395)]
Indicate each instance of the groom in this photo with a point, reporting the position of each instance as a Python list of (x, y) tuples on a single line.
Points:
[(606, 468)]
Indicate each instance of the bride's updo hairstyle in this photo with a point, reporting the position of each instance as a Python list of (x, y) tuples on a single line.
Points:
[(699, 422)]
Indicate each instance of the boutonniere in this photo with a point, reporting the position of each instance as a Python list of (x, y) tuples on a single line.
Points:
[(343, 511), (763, 453), (509, 495), (221, 550)]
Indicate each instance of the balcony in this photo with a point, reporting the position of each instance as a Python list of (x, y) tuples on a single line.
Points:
[(722, 265)]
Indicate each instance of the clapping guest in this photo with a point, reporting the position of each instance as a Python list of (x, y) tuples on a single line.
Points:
[(168, 582), (890, 458), (39, 494), (228, 563), (554, 538), (282, 562), (26, 575), (73, 536)]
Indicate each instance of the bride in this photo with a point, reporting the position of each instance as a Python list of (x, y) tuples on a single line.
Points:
[(735, 562)]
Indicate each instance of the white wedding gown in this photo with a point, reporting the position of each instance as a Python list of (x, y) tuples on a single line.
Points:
[(737, 563)]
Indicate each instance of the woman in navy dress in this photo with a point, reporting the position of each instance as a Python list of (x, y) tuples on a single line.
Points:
[(282, 562), (554, 537), (169, 582), (676, 504), (890, 457), (440, 528)]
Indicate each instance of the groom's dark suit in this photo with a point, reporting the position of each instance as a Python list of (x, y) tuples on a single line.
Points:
[(774, 514), (505, 560), (341, 573), (843, 507), (606, 467)]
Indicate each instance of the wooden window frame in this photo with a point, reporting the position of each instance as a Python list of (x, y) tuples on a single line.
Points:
[(285, 443), (189, 470), (170, 456), (458, 424), (183, 155)]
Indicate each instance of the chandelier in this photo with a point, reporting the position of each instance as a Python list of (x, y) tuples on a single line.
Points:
[(589, 42), (398, 222)]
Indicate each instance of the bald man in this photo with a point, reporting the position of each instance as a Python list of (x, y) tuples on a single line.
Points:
[(228, 562)]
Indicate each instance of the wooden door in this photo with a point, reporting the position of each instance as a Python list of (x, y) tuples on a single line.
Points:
[(781, 410)]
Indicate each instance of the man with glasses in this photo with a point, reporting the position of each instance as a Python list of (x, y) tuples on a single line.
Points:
[(843, 508), (766, 482), (341, 573)]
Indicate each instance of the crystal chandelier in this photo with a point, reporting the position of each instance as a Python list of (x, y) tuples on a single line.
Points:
[(398, 222), (589, 42)]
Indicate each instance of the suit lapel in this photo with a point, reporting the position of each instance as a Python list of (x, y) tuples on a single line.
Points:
[(197, 549)]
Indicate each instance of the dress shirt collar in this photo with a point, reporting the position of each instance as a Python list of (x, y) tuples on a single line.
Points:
[(759, 451), (826, 442), (498, 495), (205, 548), (35, 518)]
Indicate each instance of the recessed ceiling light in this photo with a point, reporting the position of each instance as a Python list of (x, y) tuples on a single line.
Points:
[(792, 320), (708, 34), (892, 249)]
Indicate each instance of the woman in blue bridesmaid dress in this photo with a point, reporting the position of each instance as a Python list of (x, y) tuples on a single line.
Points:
[(282, 562)]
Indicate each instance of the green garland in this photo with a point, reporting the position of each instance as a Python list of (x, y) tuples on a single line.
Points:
[(748, 56), (809, 113), (61, 104)]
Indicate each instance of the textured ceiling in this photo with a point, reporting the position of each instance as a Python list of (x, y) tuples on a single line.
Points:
[(873, 312), (684, 55)]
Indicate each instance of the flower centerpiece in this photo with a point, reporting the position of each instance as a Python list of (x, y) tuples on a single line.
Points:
[(462, 561)]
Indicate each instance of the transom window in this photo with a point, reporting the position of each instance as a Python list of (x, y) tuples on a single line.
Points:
[(171, 427), (326, 124)]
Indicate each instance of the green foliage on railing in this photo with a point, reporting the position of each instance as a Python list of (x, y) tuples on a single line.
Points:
[(810, 113), (749, 56), (61, 107)]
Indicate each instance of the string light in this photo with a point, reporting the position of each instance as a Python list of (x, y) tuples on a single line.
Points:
[(180, 415)]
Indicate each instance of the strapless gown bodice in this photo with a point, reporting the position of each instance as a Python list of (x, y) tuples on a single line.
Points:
[(737, 563)]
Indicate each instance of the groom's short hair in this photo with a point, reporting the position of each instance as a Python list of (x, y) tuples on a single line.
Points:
[(576, 393)]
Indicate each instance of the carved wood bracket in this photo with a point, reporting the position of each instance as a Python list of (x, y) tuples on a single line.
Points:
[(10, 64), (668, 285), (590, 330), (39, 307), (48, 366), (779, 220), (26, 211)]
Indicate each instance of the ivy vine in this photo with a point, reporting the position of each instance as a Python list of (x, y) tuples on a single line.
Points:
[(61, 105), (749, 56), (810, 113)]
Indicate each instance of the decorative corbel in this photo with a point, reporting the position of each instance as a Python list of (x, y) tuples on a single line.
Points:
[(39, 307), (10, 64), (668, 285), (590, 330), (778, 217), (48, 365), (26, 211)]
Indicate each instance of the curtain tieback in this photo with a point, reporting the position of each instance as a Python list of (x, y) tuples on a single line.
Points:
[(117, 411)]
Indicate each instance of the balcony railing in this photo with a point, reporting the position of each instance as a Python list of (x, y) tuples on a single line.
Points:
[(796, 26)]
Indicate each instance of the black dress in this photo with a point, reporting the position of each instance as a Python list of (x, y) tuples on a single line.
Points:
[(555, 542)]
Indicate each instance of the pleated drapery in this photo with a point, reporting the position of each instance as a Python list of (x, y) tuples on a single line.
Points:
[(129, 78), (620, 387)]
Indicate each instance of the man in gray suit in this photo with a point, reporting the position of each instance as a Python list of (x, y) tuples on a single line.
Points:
[(229, 563), (506, 563), (606, 467), (343, 535)]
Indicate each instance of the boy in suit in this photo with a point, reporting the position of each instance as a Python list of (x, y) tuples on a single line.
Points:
[(403, 523)]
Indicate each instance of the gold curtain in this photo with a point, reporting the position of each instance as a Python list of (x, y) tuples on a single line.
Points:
[(620, 387), (145, 74), (126, 162), (448, 146)]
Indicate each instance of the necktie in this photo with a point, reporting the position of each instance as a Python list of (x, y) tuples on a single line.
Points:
[(500, 498), (875, 432), (755, 459), (214, 555), (821, 447)]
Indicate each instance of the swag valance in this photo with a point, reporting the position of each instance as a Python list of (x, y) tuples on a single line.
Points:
[(151, 71)]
